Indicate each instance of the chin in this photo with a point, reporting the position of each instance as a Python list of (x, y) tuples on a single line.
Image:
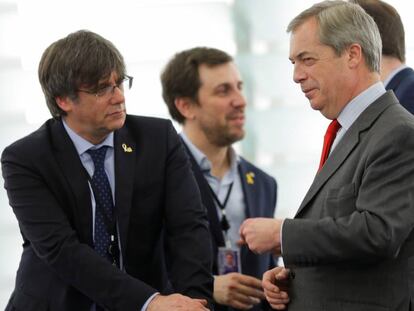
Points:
[(117, 124), (315, 106), (237, 136)]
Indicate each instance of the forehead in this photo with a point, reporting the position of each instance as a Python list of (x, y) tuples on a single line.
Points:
[(305, 38), (218, 74)]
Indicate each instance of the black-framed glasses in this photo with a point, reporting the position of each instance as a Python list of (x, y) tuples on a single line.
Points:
[(108, 91)]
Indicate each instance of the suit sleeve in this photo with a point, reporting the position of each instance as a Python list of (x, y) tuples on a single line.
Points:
[(187, 234), (381, 211), (47, 229)]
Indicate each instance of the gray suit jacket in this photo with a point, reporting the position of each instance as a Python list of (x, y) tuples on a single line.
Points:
[(350, 241)]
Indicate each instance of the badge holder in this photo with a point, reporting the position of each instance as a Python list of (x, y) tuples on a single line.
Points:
[(228, 259)]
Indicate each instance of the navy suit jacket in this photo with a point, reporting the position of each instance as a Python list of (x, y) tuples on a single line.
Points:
[(260, 199), (155, 190), (403, 86)]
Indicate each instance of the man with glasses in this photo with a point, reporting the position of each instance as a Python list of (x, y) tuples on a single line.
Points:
[(94, 188)]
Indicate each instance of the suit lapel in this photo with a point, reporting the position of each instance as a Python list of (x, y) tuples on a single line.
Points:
[(207, 199), (248, 194), (125, 156), (76, 177), (347, 144), (248, 190)]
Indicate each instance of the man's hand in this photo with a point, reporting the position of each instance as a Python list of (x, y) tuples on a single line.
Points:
[(237, 290), (275, 284), (177, 302), (261, 234)]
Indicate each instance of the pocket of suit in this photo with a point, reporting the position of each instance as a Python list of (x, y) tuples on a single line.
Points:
[(342, 192), (340, 201)]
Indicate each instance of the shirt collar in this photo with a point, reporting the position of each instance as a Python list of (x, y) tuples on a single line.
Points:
[(359, 103), (202, 160), (394, 73), (82, 145)]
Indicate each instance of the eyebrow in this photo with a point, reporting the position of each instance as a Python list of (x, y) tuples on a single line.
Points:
[(300, 55), (227, 84)]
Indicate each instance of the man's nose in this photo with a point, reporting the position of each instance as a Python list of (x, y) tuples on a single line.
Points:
[(299, 74)]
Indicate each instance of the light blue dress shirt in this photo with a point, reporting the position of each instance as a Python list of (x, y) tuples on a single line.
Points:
[(355, 107)]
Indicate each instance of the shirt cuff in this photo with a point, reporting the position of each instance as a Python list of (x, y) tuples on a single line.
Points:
[(145, 306), (281, 244)]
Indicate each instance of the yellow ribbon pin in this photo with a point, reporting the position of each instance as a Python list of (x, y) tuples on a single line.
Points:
[(250, 178), (126, 148)]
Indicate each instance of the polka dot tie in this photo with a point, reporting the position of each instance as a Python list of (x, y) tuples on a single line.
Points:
[(104, 204)]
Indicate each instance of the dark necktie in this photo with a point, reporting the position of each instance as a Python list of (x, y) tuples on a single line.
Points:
[(104, 203), (328, 140)]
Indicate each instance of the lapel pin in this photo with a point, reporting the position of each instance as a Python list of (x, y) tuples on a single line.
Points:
[(250, 178), (126, 148)]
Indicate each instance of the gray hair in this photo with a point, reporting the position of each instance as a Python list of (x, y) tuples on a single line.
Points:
[(342, 24)]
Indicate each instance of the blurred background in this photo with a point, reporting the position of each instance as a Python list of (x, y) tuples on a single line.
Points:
[(284, 136)]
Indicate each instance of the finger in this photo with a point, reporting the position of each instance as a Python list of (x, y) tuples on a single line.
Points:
[(243, 226), (283, 274), (269, 279), (241, 230), (202, 301), (251, 281), (280, 295), (241, 242), (278, 306), (250, 291), (248, 286), (279, 303), (242, 302)]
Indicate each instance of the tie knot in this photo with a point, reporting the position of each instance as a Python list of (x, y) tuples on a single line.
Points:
[(333, 127), (98, 155)]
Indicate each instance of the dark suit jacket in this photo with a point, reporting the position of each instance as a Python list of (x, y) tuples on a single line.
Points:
[(403, 86), (260, 200), (155, 189), (351, 239)]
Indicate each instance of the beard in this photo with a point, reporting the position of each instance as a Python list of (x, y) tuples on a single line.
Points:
[(222, 136)]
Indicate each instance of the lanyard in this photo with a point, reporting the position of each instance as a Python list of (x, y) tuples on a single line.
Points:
[(225, 226)]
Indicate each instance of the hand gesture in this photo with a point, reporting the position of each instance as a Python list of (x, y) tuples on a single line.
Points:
[(237, 290), (261, 234), (275, 284), (177, 302)]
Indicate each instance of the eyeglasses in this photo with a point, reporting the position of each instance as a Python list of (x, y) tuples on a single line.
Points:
[(108, 91)]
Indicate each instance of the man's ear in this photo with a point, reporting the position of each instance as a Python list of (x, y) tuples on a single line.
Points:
[(185, 106), (355, 55), (64, 103)]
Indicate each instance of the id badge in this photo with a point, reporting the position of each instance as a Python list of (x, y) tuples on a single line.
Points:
[(228, 260)]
